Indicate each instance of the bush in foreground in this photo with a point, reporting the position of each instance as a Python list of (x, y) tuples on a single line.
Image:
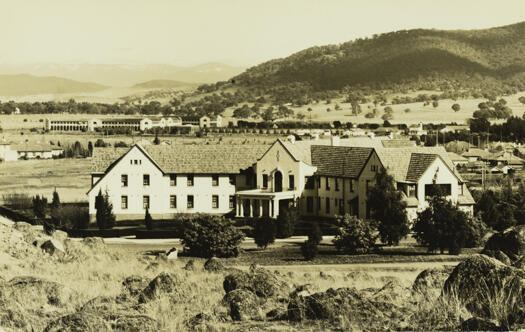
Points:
[(286, 222), (208, 236), (105, 216), (309, 249), (355, 236), (264, 232)]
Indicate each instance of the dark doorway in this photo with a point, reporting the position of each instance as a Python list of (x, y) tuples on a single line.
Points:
[(278, 181)]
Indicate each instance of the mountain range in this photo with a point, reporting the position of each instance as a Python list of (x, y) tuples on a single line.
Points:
[(23, 84), (420, 55)]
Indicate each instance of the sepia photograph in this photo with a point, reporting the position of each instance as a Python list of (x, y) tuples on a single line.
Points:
[(278, 165)]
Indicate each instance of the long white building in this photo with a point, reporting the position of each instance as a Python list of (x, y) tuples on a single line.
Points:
[(322, 178)]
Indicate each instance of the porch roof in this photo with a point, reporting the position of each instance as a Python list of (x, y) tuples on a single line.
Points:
[(266, 194)]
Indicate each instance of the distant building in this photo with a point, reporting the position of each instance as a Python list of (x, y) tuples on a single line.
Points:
[(6, 154), (38, 151), (457, 160)]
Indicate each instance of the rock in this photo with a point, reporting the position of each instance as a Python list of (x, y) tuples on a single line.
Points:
[(198, 319), (94, 243), (332, 304), (14, 319), (53, 247), (261, 282), (100, 304), (391, 291), (59, 235), (326, 276), (519, 263), (277, 314), (47, 291), (304, 290), (214, 265), (430, 281), (134, 284), (78, 322), (23, 226), (137, 323), (172, 254), (481, 282), (242, 305), (511, 241), (499, 255), (164, 283), (162, 257), (355, 275), (190, 265), (480, 324)]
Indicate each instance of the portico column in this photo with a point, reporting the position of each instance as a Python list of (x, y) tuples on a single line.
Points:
[(241, 208), (270, 207), (276, 208), (260, 208), (251, 208)]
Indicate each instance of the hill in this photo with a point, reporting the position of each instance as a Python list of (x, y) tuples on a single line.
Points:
[(120, 75), (420, 59), (23, 84), (162, 84)]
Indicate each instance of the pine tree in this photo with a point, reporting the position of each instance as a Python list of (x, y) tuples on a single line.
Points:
[(156, 141), (148, 220), (105, 216), (388, 209), (55, 208)]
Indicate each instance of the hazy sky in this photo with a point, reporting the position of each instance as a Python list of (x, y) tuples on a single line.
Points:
[(242, 32)]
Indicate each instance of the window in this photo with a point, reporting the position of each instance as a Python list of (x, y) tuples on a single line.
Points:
[(265, 181), (190, 202), (232, 179), (173, 180), (291, 182), (309, 204), (319, 182), (327, 183), (318, 203), (373, 168), (327, 204), (411, 190), (351, 185), (215, 180), (124, 202), (438, 189), (145, 179), (336, 184), (232, 202), (145, 202), (190, 180), (341, 207), (215, 201), (367, 186), (309, 182), (124, 180), (173, 202)]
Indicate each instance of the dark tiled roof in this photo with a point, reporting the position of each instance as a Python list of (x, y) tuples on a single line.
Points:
[(341, 161), (419, 162), (397, 143), (180, 158)]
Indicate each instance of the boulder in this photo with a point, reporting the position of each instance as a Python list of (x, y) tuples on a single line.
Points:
[(162, 284), (277, 314), (242, 305), (94, 243), (99, 304), (430, 281), (331, 305), (511, 241), (47, 291), (133, 285), (78, 322), (23, 226), (172, 254), (499, 255), (190, 265), (53, 247), (480, 324), (304, 290), (392, 291), (214, 265), (483, 284), (261, 282), (59, 235)]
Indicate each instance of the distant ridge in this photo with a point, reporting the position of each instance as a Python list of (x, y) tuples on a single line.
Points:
[(154, 84), (23, 84), (420, 56)]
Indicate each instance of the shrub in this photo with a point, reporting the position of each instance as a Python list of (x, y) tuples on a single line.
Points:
[(39, 206), (315, 234), (286, 222), (355, 236), (18, 201), (444, 226), (208, 236), (148, 220), (309, 249), (71, 217), (264, 232)]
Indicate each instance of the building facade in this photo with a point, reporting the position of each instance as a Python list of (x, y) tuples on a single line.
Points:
[(321, 178)]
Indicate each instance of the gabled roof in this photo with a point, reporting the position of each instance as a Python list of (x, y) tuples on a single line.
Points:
[(398, 143), (456, 157), (419, 163), (341, 161), (181, 159)]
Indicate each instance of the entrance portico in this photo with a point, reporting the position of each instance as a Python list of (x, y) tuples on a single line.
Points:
[(260, 203)]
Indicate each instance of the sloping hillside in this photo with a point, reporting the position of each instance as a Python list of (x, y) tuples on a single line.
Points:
[(423, 56), (161, 84), (18, 85)]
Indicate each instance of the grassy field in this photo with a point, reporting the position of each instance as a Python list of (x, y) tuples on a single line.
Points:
[(70, 177)]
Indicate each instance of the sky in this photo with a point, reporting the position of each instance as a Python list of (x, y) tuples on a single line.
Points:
[(234, 32)]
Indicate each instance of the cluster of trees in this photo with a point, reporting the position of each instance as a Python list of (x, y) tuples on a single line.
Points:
[(493, 110), (61, 216), (268, 114), (512, 130)]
